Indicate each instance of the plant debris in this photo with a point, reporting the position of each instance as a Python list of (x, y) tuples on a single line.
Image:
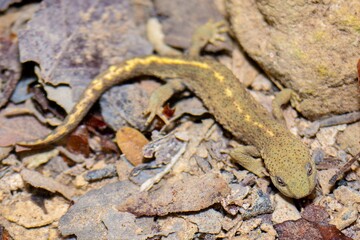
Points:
[(131, 143), (188, 195), (114, 177)]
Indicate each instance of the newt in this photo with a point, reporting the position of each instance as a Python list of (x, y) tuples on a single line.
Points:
[(285, 158), (273, 150)]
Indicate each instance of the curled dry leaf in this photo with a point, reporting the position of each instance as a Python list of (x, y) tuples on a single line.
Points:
[(37, 180), (131, 143), (168, 111), (35, 159), (192, 193), (17, 129)]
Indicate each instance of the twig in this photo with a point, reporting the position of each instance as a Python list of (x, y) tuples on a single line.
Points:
[(150, 182), (344, 169)]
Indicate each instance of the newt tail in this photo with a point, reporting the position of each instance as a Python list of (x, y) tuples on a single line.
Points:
[(161, 67)]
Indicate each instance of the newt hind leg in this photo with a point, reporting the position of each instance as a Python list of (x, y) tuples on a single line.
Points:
[(159, 97)]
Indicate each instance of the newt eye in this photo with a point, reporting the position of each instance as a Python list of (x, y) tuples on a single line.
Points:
[(280, 181), (309, 169)]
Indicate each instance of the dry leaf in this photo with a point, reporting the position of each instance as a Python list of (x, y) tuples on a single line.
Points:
[(192, 193), (37, 180), (131, 143), (22, 128), (314, 227), (78, 141), (315, 213), (35, 159)]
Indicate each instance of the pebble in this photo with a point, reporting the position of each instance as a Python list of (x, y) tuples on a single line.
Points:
[(284, 210), (323, 179), (345, 217), (346, 195)]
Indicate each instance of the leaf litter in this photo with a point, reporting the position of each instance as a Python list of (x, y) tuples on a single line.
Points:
[(184, 186)]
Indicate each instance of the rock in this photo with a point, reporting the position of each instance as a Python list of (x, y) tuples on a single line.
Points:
[(345, 217), (323, 179), (311, 47), (349, 139), (284, 210), (346, 195)]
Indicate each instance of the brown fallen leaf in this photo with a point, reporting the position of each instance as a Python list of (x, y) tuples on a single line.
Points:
[(95, 122), (192, 193), (313, 226), (304, 230), (168, 111), (131, 143), (37, 180), (4, 234), (315, 213), (78, 141)]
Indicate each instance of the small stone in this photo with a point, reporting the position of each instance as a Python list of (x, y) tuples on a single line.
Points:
[(349, 139), (324, 177), (326, 135), (330, 203), (318, 155), (249, 225), (268, 228), (80, 182), (261, 83), (346, 195), (345, 217), (284, 210), (11, 182)]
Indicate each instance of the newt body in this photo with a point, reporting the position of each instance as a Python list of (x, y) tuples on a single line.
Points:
[(286, 159)]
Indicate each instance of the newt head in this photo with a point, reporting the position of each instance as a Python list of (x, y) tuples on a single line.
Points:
[(290, 167)]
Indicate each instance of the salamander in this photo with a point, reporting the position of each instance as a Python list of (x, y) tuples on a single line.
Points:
[(283, 156)]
